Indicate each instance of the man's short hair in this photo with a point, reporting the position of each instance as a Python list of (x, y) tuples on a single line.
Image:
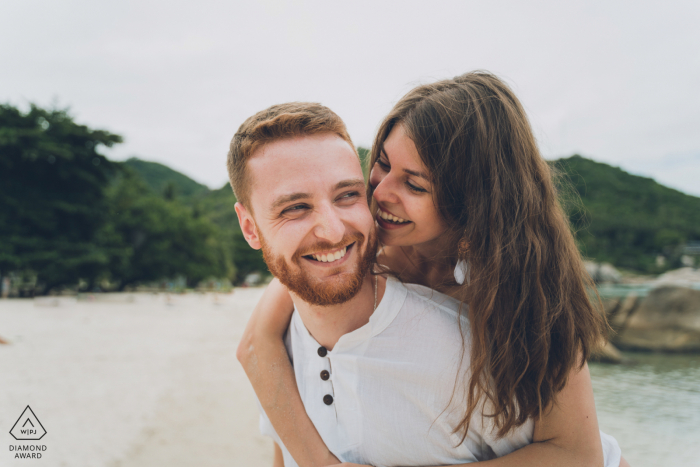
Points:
[(275, 123)]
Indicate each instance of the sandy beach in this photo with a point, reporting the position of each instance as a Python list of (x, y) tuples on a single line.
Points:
[(131, 380), (142, 380)]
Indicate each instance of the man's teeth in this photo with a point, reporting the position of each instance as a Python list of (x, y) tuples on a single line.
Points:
[(391, 217), (330, 257)]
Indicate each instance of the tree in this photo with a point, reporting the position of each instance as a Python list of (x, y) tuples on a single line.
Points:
[(152, 238), (52, 199), (626, 219)]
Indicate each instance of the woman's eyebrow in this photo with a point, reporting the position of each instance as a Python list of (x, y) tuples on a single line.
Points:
[(417, 174), (410, 172)]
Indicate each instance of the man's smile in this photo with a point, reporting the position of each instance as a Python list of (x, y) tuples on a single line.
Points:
[(331, 257)]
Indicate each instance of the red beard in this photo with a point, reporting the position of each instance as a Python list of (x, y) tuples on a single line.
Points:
[(341, 288)]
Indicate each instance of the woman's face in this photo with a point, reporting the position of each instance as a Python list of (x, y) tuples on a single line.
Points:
[(407, 215)]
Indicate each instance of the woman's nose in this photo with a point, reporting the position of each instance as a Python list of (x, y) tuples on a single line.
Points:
[(384, 189)]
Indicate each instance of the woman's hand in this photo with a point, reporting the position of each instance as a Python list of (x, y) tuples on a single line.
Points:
[(264, 358)]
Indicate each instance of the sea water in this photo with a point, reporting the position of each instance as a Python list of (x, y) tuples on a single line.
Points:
[(652, 407)]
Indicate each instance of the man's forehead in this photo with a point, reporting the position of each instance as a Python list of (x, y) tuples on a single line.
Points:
[(302, 165)]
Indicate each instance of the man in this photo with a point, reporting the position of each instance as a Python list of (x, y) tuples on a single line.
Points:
[(378, 364)]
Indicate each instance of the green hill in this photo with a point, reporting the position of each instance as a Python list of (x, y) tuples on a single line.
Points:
[(215, 205), (618, 217), (626, 219), (161, 178)]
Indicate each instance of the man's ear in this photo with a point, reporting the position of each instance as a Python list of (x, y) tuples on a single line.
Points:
[(250, 231)]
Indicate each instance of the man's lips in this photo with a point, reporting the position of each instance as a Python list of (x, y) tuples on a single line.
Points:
[(331, 257)]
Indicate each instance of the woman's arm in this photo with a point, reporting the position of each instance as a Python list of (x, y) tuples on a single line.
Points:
[(266, 362), (568, 432), (567, 435)]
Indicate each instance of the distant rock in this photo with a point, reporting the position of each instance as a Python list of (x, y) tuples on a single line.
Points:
[(607, 353), (688, 277), (667, 319), (602, 272)]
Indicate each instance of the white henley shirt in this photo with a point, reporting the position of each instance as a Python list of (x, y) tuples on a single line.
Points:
[(383, 395)]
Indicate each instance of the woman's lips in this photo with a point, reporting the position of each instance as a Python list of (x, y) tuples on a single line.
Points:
[(390, 217), (390, 226), (389, 221)]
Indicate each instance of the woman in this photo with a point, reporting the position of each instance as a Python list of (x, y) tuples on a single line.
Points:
[(457, 179)]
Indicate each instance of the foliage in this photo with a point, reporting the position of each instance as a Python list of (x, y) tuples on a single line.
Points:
[(364, 154), (164, 180), (153, 238), (217, 206), (626, 219), (69, 215), (51, 193)]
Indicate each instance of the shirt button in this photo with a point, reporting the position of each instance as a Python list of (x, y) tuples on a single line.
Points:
[(325, 375), (328, 399), (322, 351)]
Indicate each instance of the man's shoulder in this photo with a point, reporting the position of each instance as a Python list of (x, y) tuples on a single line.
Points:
[(427, 297), (431, 305)]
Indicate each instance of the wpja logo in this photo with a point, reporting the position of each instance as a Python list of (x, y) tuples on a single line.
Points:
[(28, 428)]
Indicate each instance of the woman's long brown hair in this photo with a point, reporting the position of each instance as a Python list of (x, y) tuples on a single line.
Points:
[(532, 321)]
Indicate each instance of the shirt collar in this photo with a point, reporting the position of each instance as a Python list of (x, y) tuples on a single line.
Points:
[(387, 310)]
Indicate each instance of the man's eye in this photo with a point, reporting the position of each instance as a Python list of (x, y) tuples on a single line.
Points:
[(352, 194), (295, 209)]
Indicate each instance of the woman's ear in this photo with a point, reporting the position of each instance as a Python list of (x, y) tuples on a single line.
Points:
[(248, 227)]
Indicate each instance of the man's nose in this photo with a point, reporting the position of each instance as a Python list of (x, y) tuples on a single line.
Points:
[(329, 225)]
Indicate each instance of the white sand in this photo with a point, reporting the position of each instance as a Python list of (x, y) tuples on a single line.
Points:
[(131, 384)]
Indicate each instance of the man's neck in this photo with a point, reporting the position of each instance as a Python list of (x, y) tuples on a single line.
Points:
[(328, 323)]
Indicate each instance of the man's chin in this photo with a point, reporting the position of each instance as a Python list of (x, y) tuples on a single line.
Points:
[(332, 288), (320, 285)]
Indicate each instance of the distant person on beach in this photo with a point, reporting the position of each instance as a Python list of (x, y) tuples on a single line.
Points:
[(383, 369)]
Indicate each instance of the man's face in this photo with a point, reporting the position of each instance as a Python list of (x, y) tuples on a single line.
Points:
[(310, 217)]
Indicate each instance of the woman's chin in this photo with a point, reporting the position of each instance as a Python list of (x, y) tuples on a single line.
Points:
[(388, 238)]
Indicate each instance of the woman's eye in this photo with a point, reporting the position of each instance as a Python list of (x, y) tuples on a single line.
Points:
[(383, 164), (415, 188)]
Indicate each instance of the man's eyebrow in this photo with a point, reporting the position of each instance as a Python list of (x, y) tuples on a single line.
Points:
[(351, 182), (284, 199)]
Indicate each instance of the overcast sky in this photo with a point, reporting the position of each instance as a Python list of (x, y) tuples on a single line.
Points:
[(616, 81)]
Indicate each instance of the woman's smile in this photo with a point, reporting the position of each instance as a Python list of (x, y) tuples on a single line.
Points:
[(387, 220)]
